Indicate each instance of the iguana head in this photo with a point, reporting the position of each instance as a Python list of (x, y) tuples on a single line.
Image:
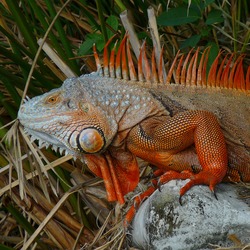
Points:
[(69, 119), (85, 114)]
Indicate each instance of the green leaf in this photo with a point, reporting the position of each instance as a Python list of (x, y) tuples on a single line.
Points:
[(190, 42), (22, 23), (121, 5), (3, 247), (214, 16), (3, 132), (207, 2), (91, 39), (178, 16), (23, 222), (113, 24), (63, 37), (198, 3), (12, 90), (206, 31), (213, 52)]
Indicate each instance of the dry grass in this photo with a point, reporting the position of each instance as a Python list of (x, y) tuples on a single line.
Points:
[(50, 201)]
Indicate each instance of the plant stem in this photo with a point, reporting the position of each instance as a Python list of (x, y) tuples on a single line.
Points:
[(101, 17)]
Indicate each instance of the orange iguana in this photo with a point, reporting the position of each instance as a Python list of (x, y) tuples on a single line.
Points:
[(196, 128)]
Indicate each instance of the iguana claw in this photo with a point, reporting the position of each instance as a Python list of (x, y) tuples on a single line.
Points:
[(203, 177), (159, 185), (180, 200)]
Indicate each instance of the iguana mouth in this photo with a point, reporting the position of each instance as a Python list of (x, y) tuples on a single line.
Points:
[(44, 140)]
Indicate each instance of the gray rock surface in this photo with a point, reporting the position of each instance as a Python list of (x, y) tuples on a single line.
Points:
[(162, 223)]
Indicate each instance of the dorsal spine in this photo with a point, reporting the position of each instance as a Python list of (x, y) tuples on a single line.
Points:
[(185, 69)]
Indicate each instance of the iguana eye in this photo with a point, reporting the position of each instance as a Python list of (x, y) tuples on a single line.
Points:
[(91, 140), (53, 99)]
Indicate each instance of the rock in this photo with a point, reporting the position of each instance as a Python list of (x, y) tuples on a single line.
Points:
[(162, 223)]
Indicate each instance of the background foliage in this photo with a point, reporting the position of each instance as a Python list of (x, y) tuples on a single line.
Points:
[(183, 24)]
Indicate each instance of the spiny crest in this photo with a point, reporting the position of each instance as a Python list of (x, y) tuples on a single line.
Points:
[(190, 69)]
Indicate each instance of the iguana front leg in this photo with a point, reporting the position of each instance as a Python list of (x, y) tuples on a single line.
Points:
[(165, 143), (118, 169)]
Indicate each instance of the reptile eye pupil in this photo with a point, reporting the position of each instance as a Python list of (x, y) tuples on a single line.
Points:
[(53, 99)]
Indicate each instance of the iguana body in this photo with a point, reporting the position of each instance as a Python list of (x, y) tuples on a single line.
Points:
[(201, 131)]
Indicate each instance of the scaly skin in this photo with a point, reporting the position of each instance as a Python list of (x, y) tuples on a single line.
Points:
[(108, 122), (168, 139)]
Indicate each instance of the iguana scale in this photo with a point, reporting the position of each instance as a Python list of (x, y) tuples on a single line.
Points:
[(197, 127)]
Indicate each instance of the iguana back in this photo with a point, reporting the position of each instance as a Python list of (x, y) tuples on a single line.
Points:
[(231, 107)]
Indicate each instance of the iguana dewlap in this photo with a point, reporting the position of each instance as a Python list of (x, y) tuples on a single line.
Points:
[(109, 121)]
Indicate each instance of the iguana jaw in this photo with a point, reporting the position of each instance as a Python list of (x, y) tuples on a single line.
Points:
[(48, 140), (43, 138)]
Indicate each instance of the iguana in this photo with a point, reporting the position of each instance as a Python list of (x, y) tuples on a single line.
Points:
[(189, 125)]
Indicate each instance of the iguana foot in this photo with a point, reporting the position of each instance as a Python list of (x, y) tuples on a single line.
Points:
[(204, 177), (137, 202)]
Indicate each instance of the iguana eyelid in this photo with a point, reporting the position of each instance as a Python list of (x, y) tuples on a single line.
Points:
[(53, 99)]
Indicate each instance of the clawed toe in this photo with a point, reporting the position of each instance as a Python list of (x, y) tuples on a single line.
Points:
[(203, 177), (159, 185), (180, 200), (214, 194)]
